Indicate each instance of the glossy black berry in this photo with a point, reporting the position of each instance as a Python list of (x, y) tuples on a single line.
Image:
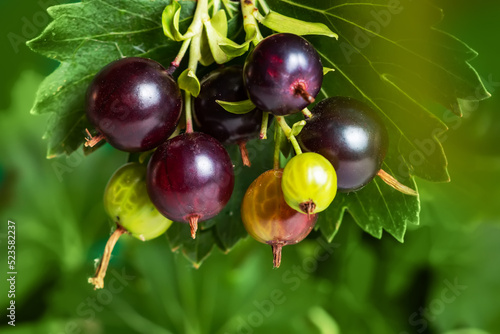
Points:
[(283, 74), (190, 178), (134, 104), (351, 136), (225, 84)]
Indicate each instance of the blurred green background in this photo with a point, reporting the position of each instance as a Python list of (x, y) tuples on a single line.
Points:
[(444, 279)]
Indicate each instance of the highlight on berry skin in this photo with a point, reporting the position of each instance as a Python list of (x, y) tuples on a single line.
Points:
[(190, 178), (283, 74), (134, 104)]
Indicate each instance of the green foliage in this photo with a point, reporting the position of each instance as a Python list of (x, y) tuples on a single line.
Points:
[(391, 57), (239, 107), (284, 24)]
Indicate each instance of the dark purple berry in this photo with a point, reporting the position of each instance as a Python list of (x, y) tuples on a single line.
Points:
[(134, 104), (283, 74), (226, 84), (351, 136), (190, 178)]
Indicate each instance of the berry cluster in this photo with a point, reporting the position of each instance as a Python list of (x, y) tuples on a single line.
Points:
[(135, 104)]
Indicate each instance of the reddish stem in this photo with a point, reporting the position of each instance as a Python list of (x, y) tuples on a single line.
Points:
[(244, 153), (173, 66), (277, 254), (390, 180), (98, 279), (300, 89), (193, 224), (93, 141)]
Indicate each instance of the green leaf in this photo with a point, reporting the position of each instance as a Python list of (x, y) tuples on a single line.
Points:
[(195, 250), (189, 82), (206, 58), (394, 59), (375, 208), (169, 22), (239, 107), (327, 70), (219, 22), (216, 32), (281, 23), (297, 127), (85, 37)]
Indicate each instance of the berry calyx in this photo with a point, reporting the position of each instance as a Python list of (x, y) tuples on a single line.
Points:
[(283, 74), (127, 203), (190, 178), (269, 219), (134, 104), (226, 84), (351, 136), (309, 183)]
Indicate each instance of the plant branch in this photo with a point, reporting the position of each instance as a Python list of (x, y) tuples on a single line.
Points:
[(98, 279), (278, 135), (263, 125), (177, 60), (252, 31), (288, 133)]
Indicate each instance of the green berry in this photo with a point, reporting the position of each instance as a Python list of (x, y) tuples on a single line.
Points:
[(309, 183), (127, 202)]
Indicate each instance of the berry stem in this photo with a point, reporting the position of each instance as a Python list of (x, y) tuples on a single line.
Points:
[(307, 113), (244, 153), (188, 110), (177, 60), (98, 279), (194, 57), (390, 180), (263, 125), (93, 141), (301, 90), (288, 133), (277, 254), (252, 31), (278, 137)]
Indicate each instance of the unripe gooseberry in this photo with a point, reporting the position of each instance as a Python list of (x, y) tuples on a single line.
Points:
[(309, 183)]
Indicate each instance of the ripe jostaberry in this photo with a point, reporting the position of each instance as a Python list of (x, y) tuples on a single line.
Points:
[(351, 136), (226, 84), (190, 178), (134, 104), (283, 74)]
